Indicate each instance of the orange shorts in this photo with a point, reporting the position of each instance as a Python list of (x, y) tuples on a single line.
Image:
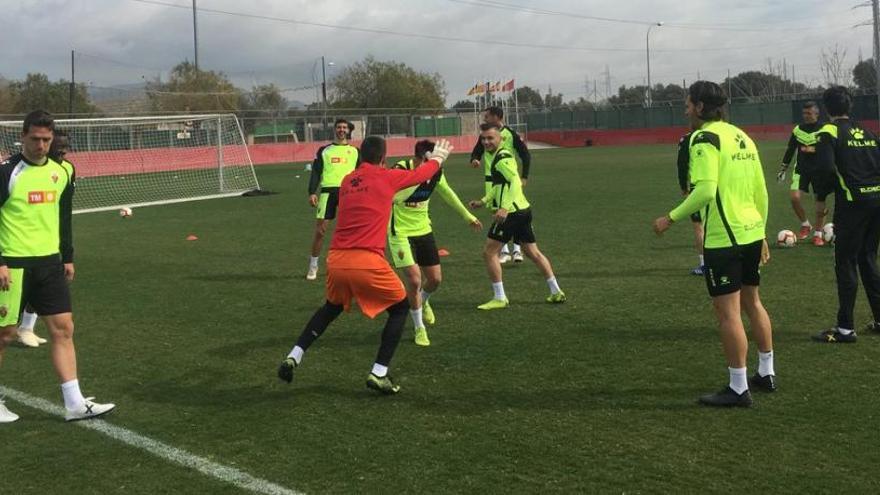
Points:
[(364, 276)]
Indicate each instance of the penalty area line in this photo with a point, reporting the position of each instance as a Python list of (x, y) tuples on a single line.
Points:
[(174, 455)]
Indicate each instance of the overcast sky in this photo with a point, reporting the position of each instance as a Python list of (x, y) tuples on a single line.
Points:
[(124, 41)]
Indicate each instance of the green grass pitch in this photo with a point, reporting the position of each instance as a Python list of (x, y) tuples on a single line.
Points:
[(596, 395)]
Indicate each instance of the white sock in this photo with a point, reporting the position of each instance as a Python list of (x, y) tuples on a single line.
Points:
[(313, 261), (417, 317), (738, 380), (702, 263), (297, 354), (498, 288), (817, 233), (425, 296), (765, 363), (504, 249), (845, 331), (517, 248), (73, 398), (380, 370), (28, 320), (554, 286), (806, 223)]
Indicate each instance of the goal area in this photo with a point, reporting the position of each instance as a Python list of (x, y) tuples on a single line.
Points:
[(142, 161)]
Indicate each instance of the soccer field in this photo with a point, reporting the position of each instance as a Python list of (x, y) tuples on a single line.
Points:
[(595, 395)]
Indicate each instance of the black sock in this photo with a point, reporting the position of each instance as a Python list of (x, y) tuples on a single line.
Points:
[(392, 332), (322, 318)]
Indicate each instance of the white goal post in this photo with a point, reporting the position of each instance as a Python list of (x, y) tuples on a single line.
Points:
[(142, 161)]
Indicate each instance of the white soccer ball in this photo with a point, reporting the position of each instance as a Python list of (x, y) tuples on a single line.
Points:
[(828, 232), (125, 212), (786, 238)]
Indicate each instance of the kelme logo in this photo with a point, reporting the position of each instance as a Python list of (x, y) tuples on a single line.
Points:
[(857, 133)]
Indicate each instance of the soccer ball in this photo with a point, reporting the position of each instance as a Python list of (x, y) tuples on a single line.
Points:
[(125, 212), (786, 238), (828, 232)]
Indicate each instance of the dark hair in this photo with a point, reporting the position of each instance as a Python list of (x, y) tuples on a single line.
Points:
[(38, 118), (496, 111), (810, 104), (343, 121), (422, 147), (373, 149), (56, 142), (837, 100), (711, 96), (350, 128), (487, 126)]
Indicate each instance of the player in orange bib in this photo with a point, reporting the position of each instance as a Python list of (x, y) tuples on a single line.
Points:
[(356, 265)]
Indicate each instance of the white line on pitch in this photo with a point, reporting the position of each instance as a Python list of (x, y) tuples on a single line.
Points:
[(209, 468)]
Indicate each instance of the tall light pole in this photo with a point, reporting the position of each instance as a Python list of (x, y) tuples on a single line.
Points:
[(196, 35), (324, 81), (648, 57), (875, 5)]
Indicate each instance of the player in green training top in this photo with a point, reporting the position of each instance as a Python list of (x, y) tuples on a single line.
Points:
[(411, 238), (26, 335), (802, 147), (730, 191), (511, 142), (36, 255), (332, 162), (512, 219)]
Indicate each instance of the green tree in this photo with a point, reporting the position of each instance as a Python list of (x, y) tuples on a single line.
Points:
[(463, 105), (36, 91), (864, 75), (266, 98), (637, 95), (375, 84), (528, 98), (189, 89), (761, 86)]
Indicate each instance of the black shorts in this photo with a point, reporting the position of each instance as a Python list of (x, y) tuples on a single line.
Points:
[(822, 184), (328, 200), (517, 226), (45, 290), (728, 269), (424, 250)]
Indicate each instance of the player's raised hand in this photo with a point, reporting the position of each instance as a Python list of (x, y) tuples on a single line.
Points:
[(441, 151)]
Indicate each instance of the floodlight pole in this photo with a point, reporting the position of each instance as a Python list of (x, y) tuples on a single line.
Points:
[(648, 59), (196, 35), (72, 89), (875, 5)]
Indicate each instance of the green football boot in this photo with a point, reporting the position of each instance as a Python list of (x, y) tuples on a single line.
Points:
[(383, 385), (428, 314), (557, 298), (494, 304), (421, 337)]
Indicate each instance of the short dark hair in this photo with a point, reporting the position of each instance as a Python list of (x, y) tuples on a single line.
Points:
[(485, 127), (373, 149), (422, 147), (59, 134), (837, 100), (810, 104), (38, 118), (712, 96), (343, 121), (496, 111)]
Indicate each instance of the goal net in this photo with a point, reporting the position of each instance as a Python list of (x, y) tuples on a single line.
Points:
[(130, 162)]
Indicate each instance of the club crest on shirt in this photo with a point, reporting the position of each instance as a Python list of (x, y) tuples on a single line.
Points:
[(54, 177), (400, 254), (4, 311)]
